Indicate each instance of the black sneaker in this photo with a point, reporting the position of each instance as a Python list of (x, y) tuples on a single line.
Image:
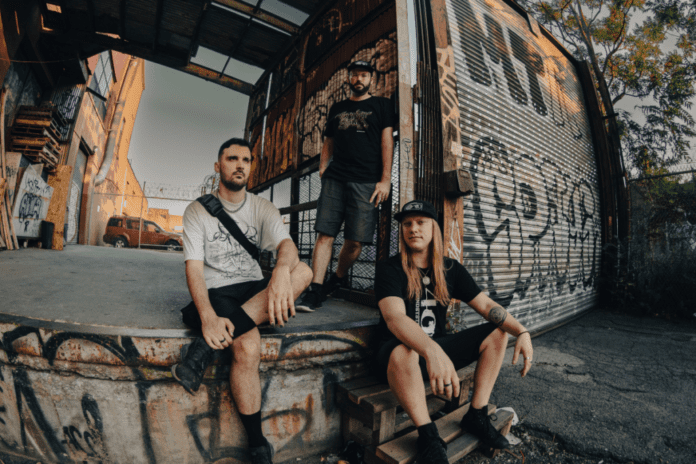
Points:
[(431, 450), (262, 454), (196, 357), (333, 284), (477, 423), (312, 299)]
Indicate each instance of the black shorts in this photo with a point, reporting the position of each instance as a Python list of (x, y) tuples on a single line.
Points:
[(226, 301), (349, 202), (462, 348)]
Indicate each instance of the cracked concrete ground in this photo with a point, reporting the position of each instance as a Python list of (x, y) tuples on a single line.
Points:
[(610, 386)]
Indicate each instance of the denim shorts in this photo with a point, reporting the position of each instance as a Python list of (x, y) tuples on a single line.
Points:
[(349, 202)]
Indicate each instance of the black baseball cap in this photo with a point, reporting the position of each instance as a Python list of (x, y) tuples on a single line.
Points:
[(422, 207), (360, 64)]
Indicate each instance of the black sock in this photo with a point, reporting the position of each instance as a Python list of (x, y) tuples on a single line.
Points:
[(427, 431), (252, 425), (316, 287)]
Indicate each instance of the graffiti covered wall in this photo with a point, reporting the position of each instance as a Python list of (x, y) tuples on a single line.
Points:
[(381, 54), (74, 397), (287, 113), (31, 205), (531, 235)]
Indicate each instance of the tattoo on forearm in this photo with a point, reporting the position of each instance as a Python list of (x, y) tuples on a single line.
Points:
[(497, 315)]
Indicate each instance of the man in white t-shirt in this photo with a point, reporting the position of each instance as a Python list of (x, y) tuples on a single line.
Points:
[(230, 295)]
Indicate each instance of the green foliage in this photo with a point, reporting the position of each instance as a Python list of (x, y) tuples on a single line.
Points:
[(645, 49), (655, 268)]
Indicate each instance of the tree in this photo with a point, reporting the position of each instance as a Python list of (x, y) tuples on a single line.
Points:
[(628, 44)]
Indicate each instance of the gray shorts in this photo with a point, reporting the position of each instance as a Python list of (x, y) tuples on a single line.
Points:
[(349, 202)]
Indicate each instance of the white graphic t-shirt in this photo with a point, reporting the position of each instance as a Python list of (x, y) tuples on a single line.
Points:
[(225, 261)]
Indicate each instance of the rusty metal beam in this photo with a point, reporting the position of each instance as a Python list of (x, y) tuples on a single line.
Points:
[(214, 76), (158, 23), (405, 124), (178, 63), (122, 18), (193, 48), (92, 17), (264, 16)]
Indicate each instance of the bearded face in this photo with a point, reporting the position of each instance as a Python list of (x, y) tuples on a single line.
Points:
[(360, 80), (234, 166)]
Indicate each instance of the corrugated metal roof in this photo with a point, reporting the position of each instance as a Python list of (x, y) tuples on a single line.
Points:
[(170, 31)]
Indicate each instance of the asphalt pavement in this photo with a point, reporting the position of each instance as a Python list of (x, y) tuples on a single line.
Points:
[(606, 388), (610, 387)]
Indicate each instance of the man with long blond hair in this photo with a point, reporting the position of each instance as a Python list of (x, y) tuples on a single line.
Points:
[(414, 289)]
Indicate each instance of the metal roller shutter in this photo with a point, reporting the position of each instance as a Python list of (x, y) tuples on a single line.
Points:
[(532, 226)]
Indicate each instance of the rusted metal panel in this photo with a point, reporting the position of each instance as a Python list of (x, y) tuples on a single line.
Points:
[(278, 141), (214, 76), (531, 229), (284, 75), (257, 102), (335, 24), (442, 93), (406, 153), (328, 84), (75, 397)]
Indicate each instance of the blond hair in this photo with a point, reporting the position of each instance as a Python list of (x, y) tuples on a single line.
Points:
[(437, 264)]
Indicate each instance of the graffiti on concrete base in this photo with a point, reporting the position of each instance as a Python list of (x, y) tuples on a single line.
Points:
[(56, 407)]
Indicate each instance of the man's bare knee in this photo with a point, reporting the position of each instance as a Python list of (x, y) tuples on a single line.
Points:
[(352, 246), (303, 274), (246, 348), (497, 340), (323, 239), (402, 359)]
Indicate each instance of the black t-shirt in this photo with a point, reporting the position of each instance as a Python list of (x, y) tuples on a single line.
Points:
[(356, 128), (391, 280)]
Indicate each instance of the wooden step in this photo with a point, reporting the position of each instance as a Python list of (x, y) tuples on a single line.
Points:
[(403, 450), (377, 396)]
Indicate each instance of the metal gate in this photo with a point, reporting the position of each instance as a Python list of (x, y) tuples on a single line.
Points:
[(531, 236)]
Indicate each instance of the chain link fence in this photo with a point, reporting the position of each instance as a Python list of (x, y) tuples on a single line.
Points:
[(147, 217), (659, 259)]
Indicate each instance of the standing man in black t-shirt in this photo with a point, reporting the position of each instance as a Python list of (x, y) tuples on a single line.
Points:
[(355, 169), (414, 289)]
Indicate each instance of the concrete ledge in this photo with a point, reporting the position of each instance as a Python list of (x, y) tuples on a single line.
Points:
[(70, 396), (87, 339)]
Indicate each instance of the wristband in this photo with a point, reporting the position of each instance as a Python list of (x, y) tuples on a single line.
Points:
[(525, 332)]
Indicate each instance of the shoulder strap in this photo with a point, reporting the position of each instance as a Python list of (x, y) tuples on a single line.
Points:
[(213, 205)]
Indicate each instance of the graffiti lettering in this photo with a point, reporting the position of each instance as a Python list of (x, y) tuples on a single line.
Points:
[(29, 206), (312, 116), (562, 215), (475, 43)]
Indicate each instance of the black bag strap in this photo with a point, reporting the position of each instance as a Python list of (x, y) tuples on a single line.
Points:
[(213, 206)]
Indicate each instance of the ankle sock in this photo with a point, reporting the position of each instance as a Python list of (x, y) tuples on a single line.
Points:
[(428, 431), (252, 425), (317, 288)]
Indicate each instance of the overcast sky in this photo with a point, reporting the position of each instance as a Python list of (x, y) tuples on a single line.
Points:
[(182, 121)]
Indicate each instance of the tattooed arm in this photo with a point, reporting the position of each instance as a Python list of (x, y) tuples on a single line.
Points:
[(493, 312)]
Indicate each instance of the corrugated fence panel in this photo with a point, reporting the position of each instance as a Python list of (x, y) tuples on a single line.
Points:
[(532, 226)]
